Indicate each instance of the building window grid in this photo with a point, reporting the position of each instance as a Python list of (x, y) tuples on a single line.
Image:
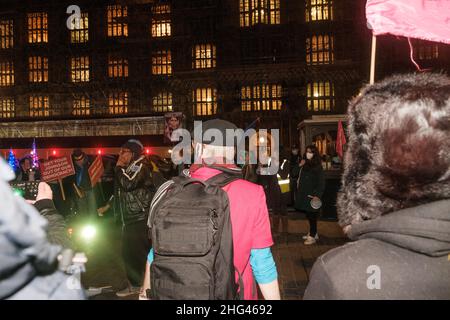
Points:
[(117, 25), (118, 102), (426, 52), (253, 12), (81, 106), (162, 102), (80, 71), (39, 106), (6, 34), (204, 101), (7, 108), (6, 74), (264, 97), (117, 67), (204, 56), (317, 10), (161, 8), (320, 96), (37, 27), (320, 49), (161, 28), (161, 62), (38, 69), (80, 34)]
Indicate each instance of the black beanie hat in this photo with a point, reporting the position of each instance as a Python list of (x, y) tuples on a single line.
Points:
[(135, 146)]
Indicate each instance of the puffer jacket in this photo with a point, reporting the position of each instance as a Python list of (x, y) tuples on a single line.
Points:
[(134, 190)]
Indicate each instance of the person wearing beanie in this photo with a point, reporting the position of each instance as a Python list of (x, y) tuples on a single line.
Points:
[(133, 193), (395, 196)]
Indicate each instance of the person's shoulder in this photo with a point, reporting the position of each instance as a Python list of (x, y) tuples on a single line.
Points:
[(247, 186)]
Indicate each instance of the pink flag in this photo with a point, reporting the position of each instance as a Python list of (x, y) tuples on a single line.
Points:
[(340, 140), (422, 19)]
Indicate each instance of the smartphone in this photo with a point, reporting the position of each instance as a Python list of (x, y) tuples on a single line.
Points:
[(27, 189)]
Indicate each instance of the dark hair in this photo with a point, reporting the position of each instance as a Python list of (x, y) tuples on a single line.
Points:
[(316, 160)]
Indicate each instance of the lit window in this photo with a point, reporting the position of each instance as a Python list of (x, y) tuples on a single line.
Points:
[(39, 106), (161, 9), (81, 106), (6, 34), (320, 96), (261, 97), (37, 27), (118, 102), (38, 69), (80, 32), (161, 62), (79, 67), (259, 11), (162, 102), (204, 56), (205, 102), (117, 67), (426, 51), (319, 10), (6, 74), (117, 25), (319, 49), (161, 28), (7, 108)]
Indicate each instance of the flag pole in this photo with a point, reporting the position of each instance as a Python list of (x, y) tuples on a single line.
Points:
[(372, 59)]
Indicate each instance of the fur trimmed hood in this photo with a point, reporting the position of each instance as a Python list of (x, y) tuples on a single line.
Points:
[(398, 153)]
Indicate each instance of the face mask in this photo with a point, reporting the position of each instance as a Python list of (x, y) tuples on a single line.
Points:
[(295, 152), (309, 155)]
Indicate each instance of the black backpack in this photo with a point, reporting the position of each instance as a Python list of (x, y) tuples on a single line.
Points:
[(192, 240)]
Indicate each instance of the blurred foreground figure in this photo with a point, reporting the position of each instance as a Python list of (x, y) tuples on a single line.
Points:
[(28, 262), (395, 197)]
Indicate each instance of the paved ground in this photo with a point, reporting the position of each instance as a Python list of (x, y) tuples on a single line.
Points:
[(294, 259)]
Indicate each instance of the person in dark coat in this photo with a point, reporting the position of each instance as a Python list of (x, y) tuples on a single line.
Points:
[(395, 197), (310, 186), (293, 172)]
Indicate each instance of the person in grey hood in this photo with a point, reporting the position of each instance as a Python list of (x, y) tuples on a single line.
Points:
[(395, 197), (28, 262)]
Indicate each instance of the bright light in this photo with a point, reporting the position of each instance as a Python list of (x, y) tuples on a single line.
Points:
[(170, 151), (99, 151), (261, 140), (54, 152), (147, 151), (88, 232)]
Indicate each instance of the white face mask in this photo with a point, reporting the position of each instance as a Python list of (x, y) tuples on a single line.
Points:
[(309, 155), (295, 152)]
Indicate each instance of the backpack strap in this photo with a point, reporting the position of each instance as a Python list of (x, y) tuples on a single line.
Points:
[(222, 179)]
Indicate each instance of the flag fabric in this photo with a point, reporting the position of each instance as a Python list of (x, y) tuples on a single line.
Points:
[(12, 161), (34, 155), (340, 140), (421, 19), (96, 170)]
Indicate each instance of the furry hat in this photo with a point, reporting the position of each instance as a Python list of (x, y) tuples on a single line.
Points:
[(398, 153)]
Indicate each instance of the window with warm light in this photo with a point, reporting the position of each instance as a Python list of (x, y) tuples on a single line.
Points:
[(81, 105), (6, 34), (39, 106), (117, 67), (7, 108), (161, 8), (426, 51), (80, 32), (204, 56), (6, 73), (317, 10), (161, 62), (320, 96), (37, 27), (79, 69), (161, 28), (320, 49), (204, 101), (263, 97), (118, 102), (259, 11), (37, 69), (117, 21), (162, 102)]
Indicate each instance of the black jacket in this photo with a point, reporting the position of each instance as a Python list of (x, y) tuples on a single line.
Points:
[(134, 190), (56, 230), (409, 250), (311, 183)]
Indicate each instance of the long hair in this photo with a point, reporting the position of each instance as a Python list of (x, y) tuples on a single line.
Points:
[(316, 159)]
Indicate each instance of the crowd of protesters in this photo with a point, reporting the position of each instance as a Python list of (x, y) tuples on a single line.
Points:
[(393, 204)]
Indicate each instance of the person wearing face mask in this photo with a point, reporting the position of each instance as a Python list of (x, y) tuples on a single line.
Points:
[(310, 186)]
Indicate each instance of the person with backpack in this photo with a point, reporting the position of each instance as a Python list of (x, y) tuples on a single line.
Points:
[(133, 193), (210, 231)]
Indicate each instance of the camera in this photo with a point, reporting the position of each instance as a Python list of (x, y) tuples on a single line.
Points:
[(28, 189)]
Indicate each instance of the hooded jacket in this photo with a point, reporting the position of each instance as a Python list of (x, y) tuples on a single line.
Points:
[(28, 262), (400, 255)]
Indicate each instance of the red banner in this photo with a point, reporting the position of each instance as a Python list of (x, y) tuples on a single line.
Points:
[(57, 169), (340, 140), (96, 170)]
